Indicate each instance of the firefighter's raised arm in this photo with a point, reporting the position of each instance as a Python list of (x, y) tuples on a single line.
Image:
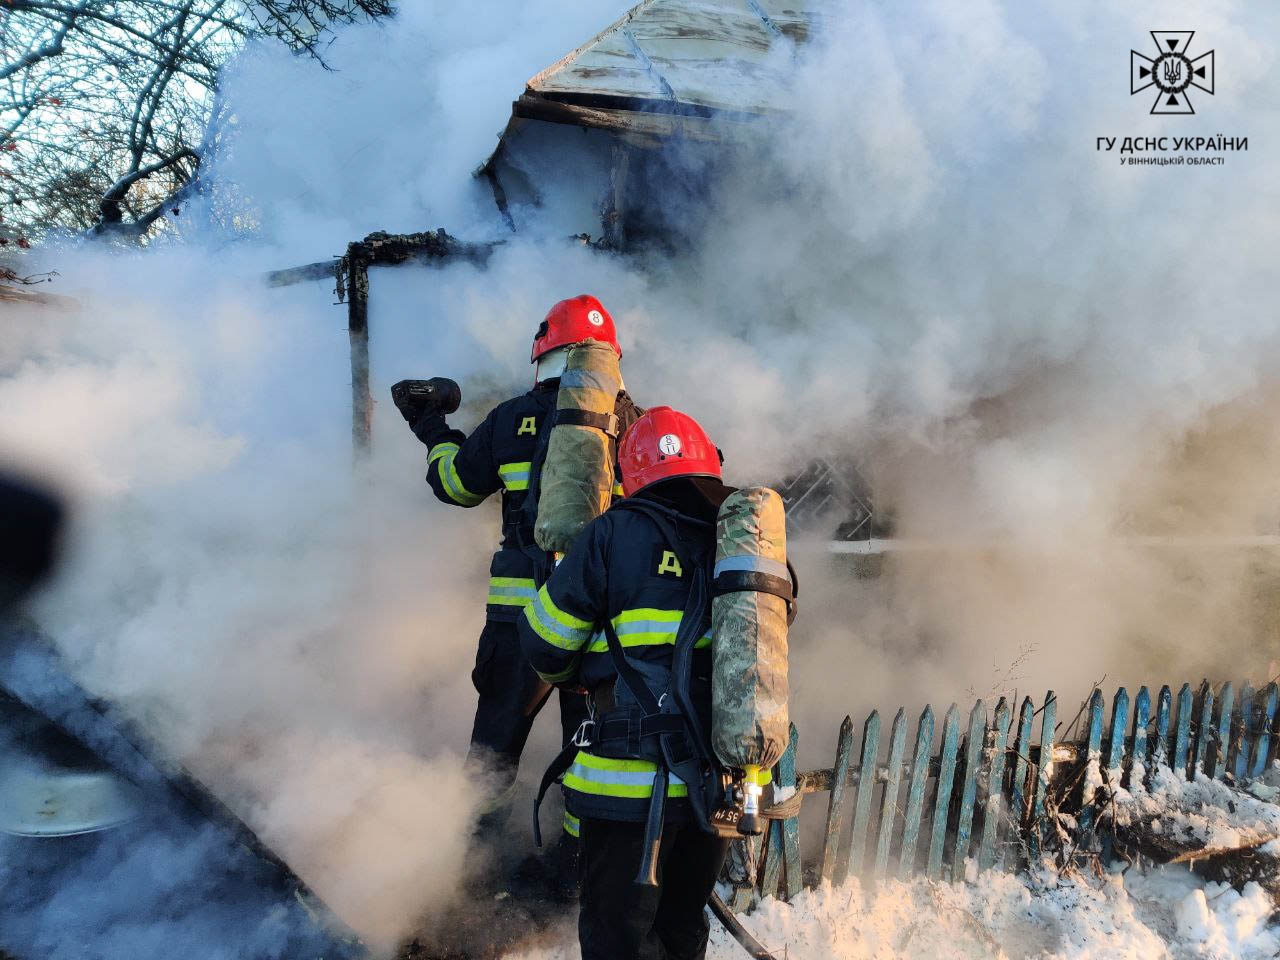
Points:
[(460, 469)]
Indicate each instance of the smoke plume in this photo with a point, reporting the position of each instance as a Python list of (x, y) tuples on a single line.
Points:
[(1058, 373)]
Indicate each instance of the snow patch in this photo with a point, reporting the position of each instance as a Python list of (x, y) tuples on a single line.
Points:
[(1166, 913)]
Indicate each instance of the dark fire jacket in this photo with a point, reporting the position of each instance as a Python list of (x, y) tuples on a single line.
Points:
[(499, 456)]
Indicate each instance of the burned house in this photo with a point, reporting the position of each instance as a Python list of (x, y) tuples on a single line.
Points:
[(619, 138), (618, 144), (615, 143)]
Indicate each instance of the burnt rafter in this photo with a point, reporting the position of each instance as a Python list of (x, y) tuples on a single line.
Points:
[(351, 283)]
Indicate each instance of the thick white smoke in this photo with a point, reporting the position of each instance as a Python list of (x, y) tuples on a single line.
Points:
[(1031, 350)]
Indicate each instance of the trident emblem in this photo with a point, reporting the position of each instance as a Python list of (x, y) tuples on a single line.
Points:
[(1172, 72)]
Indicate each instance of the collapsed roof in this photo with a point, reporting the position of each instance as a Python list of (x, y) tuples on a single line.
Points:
[(669, 67), (694, 73)]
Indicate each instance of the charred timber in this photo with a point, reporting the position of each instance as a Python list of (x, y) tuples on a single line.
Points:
[(351, 280), (320, 270), (1250, 862), (389, 249), (381, 248)]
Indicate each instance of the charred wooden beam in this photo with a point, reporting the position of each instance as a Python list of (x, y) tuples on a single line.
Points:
[(351, 282), (1248, 862), (613, 212), (644, 122), (353, 276), (320, 270), (387, 249), (642, 129)]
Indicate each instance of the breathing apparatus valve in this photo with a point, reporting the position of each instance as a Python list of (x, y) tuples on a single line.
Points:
[(751, 824)]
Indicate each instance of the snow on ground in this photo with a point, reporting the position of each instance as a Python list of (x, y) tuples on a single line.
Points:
[(1160, 915), (1167, 913)]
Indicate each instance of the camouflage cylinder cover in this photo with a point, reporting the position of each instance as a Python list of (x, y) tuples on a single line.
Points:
[(749, 691), (577, 479)]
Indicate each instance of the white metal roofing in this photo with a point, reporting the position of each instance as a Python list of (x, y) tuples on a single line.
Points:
[(683, 56)]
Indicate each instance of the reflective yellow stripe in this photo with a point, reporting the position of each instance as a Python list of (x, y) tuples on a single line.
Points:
[(515, 476), (440, 449), (607, 777), (572, 825), (449, 479), (565, 619), (511, 591), (648, 613), (631, 779), (560, 629), (645, 627), (617, 490), (566, 674)]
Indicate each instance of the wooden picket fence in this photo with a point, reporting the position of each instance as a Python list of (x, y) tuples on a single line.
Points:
[(977, 800)]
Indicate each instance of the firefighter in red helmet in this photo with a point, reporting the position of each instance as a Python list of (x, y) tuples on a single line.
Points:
[(573, 321), (625, 615), (504, 455)]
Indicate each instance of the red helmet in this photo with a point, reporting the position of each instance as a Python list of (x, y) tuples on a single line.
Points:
[(665, 443), (572, 321)]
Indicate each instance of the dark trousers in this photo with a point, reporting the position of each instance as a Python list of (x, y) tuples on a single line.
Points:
[(622, 921), (511, 695)]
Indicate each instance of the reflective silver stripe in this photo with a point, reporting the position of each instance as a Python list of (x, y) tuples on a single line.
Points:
[(627, 778), (753, 564), (547, 626), (515, 476), (523, 594)]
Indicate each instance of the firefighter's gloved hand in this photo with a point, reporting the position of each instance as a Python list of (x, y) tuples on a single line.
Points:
[(432, 429), (416, 399)]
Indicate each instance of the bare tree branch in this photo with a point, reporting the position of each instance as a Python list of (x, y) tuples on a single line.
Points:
[(108, 107)]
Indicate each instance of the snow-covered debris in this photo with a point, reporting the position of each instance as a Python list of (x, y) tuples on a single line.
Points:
[(1200, 813), (1008, 916)]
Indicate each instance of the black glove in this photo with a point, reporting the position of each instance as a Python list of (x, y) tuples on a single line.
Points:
[(416, 399)]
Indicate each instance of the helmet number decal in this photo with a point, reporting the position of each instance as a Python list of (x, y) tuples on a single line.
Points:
[(669, 445), (595, 318)]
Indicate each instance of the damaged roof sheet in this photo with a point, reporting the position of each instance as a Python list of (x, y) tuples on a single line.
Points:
[(690, 58)]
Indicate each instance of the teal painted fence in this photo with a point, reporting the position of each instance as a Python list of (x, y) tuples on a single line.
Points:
[(975, 797)]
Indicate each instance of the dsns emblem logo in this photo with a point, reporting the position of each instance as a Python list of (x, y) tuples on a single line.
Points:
[(1172, 72)]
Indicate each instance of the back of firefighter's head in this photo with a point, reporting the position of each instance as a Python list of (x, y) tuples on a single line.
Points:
[(570, 321), (664, 444)]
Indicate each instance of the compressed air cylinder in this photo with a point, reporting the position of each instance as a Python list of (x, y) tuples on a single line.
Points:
[(749, 721), (577, 479)]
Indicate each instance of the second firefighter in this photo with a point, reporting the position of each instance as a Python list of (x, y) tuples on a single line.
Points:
[(626, 615)]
